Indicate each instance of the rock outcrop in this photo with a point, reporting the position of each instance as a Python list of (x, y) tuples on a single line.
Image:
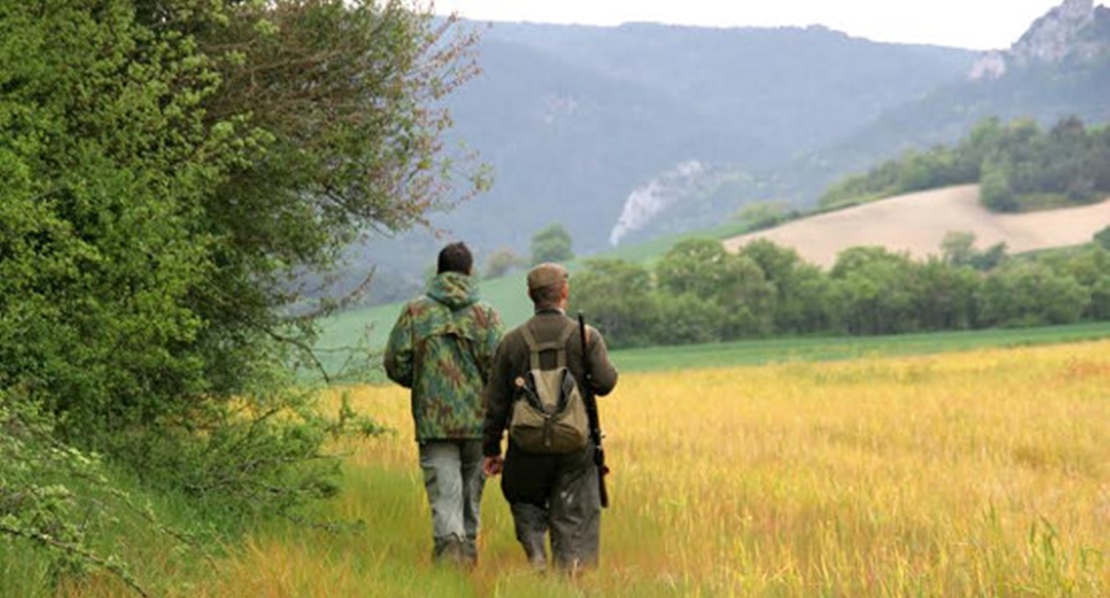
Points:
[(1076, 30)]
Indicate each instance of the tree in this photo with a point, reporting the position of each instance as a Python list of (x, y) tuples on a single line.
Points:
[(618, 297), (876, 290), (958, 249), (552, 244), (1029, 293), (765, 214), (502, 261), (799, 299), (1090, 267), (995, 189), (1102, 238), (687, 318), (170, 167), (946, 295), (702, 268)]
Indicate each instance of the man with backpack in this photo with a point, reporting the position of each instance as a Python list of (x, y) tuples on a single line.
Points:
[(442, 348), (545, 374)]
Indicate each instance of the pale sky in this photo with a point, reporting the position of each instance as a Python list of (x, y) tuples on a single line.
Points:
[(973, 24)]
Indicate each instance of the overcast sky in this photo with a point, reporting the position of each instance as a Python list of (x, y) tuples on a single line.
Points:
[(974, 24)]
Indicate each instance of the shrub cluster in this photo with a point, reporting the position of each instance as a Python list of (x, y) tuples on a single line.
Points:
[(171, 170)]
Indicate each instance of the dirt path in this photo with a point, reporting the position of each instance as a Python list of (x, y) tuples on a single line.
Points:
[(916, 223)]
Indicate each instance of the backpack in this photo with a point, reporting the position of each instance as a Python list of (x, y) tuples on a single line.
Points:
[(549, 414)]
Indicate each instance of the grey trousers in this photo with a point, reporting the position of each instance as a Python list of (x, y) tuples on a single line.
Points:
[(454, 480)]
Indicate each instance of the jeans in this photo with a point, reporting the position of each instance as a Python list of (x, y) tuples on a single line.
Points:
[(453, 479)]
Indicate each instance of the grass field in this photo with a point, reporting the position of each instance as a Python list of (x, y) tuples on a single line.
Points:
[(984, 472), (747, 352)]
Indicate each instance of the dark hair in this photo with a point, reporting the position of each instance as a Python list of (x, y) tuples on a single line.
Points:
[(455, 258)]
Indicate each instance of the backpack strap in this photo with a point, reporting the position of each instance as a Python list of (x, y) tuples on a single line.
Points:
[(559, 346)]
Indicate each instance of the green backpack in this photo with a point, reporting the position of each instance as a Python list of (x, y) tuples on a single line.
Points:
[(549, 414)]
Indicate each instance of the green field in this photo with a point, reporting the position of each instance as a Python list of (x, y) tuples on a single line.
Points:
[(787, 350), (756, 351)]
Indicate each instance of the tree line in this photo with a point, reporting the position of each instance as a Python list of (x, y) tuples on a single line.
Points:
[(699, 293), (1019, 165)]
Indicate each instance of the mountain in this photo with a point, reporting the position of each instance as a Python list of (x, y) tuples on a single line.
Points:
[(1060, 67), (574, 120), (623, 133)]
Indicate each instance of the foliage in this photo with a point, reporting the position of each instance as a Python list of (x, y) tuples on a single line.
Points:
[(552, 244), (699, 293), (54, 497), (503, 261), (800, 295), (1031, 294), (765, 214), (874, 291), (689, 319), (1102, 238), (617, 297), (173, 170), (1019, 167), (958, 249)]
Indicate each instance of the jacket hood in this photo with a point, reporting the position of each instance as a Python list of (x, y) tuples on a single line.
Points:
[(453, 290)]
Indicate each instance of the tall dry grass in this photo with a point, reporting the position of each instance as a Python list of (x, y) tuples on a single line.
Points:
[(970, 474)]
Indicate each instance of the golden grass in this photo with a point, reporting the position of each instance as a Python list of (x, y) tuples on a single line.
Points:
[(970, 474)]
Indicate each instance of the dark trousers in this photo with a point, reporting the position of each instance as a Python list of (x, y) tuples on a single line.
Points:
[(554, 495)]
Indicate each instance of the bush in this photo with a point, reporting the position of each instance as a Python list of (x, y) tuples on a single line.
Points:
[(689, 319)]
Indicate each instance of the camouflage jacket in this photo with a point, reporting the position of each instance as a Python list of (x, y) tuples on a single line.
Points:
[(442, 348)]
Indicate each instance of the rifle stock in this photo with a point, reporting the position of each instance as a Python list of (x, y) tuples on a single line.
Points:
[(592, 414)]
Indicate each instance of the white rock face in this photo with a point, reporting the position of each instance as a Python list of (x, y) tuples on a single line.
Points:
[(991, 65), (1065, 31), (646, 202), (1053, 36)]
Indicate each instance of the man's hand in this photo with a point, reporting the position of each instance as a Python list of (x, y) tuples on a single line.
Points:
[(493, 465)]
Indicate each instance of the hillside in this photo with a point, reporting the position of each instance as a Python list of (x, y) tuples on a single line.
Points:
[(595, 127), (574, 120), (917, 223)]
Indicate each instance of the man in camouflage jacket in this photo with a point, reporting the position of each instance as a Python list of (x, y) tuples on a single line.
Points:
[(442, 348)]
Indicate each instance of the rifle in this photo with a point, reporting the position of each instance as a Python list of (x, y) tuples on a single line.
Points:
[(591, 413)]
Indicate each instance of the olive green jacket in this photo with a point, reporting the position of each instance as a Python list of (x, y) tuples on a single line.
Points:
[(442, 348), (512, 360)]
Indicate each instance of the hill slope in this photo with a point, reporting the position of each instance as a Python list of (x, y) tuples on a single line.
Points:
[(917, 223)]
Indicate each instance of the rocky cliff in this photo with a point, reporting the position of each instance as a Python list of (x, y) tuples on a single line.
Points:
[(1076, 30)]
